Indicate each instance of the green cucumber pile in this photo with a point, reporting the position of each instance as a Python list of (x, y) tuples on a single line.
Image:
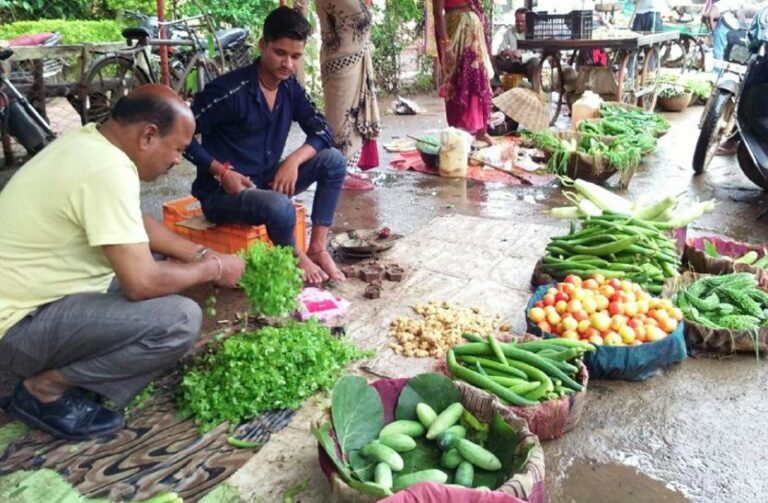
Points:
[(731, 301), (460, 454), (524, 374), (615, 246)]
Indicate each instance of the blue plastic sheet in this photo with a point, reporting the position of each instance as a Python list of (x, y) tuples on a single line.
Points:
[(629, 363)]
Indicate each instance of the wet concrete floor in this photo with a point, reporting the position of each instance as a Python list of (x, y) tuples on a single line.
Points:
[(696, 433)]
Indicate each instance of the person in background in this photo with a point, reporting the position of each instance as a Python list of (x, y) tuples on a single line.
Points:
[(346, 67), (84, 305), (461, 31), (244, 118), (648, 15), (511, 60)]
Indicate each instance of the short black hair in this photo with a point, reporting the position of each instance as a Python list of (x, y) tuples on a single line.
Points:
[(285, 22), (145, 107), (521, 10)]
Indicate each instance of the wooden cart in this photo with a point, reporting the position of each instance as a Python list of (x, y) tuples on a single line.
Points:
[(634, 64)]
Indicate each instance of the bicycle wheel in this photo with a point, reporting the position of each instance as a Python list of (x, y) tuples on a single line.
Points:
[(198, 78), (717, 122), (110, 78)]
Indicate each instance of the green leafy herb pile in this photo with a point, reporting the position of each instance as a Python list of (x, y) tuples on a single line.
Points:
[(272, 279), (620, 153), (275, 367)]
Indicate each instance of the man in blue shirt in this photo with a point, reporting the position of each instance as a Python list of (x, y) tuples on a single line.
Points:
[(244, 118)]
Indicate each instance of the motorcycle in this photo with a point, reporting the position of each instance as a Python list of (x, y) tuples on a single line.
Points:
[(19, 119), (752, 108)]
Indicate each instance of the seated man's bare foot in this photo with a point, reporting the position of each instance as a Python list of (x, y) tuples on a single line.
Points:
[(313, 273), (324, 260)]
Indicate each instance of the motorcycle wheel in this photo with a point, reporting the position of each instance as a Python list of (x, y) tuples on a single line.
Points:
[(717, 122), (748, 167)]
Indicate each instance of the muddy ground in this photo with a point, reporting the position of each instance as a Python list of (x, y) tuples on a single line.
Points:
[(694, 434)]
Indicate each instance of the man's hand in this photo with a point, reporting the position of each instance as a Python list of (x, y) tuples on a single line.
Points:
[(286, 176), (233, 182), (232, 268)]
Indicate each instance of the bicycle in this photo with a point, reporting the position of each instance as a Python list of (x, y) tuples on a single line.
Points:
[(115, 74), (19, 119)]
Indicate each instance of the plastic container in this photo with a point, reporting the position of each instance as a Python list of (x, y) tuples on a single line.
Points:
[(586, 107), (227, 238), (576, 24), (455, 145)]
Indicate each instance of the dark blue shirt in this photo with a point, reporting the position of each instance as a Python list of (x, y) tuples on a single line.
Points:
[(237, 126)]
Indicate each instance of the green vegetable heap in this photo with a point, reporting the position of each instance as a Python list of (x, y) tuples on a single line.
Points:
[(633, 129), (272, 368), (520, 374), (272, 279), (619, 154), (731, 301), (616, 246)]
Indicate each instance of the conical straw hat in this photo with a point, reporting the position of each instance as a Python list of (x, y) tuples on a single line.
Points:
[(524, 107)]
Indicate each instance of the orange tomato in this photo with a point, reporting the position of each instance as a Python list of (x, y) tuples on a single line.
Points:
[(640, 333), (544, 326), (599, 278), (567, 288), (596, 340), (668, 324), (591, 332), (580, 315), (611, 338), (654, 333), (536, 314), (618, 321), (561, 297), (574, 306), (571, 278), (570, 324), (582, 326), (570, 334), (553, 318), (615, 308), (590, 284), (607, 290), (627, 334), (561, 306), (600, 322), (549, 299), (602, 302)]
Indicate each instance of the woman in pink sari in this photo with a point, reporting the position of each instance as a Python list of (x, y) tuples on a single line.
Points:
[(461, 30)]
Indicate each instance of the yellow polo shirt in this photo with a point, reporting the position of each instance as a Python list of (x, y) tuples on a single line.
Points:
[(78, 194)]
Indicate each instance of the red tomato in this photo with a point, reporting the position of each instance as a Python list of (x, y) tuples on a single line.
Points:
[(581, 316), (567, 288), (615, 308), (560, 296), (615, 283), (634, 323), (616, 297), (573, 279), (607, 290), (539, 304), (591, 332), (549, 300)]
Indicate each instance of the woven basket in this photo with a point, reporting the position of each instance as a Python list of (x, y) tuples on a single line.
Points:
[(548, 420), (528, 485), (700, 262), (675, 103)]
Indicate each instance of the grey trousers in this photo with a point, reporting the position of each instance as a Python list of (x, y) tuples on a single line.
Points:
[(103, 342)]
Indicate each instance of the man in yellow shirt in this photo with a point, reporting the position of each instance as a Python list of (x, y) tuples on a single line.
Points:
[(71, 224)]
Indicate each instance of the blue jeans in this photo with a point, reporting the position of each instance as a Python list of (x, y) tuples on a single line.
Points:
[(719, 39), (259, 206)]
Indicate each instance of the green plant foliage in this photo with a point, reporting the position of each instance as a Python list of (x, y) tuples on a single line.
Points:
[(18, 10), (392, 32), (358, 415), (72, 32), (253, 372), (272, 279), (436, 390)]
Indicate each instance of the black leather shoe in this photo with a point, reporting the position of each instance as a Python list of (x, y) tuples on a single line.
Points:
[(72, 416)]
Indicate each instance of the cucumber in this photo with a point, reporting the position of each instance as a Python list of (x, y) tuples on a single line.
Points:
[(381, 452), (478, 456), (430, 475), (398, 442), (426, 414), (449, 437), (465, 474), (405, 427), (383, 475), (445, 420), (451, 459)]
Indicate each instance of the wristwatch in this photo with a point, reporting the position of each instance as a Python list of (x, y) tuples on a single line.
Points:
[(200, 254)]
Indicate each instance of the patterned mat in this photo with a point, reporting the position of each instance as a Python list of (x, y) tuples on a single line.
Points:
[(156, 451)]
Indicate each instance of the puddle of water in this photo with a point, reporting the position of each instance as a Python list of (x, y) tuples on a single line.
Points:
[(589, 482)]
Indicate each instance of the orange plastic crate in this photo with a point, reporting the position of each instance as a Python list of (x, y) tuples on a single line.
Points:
[(228, 238)]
